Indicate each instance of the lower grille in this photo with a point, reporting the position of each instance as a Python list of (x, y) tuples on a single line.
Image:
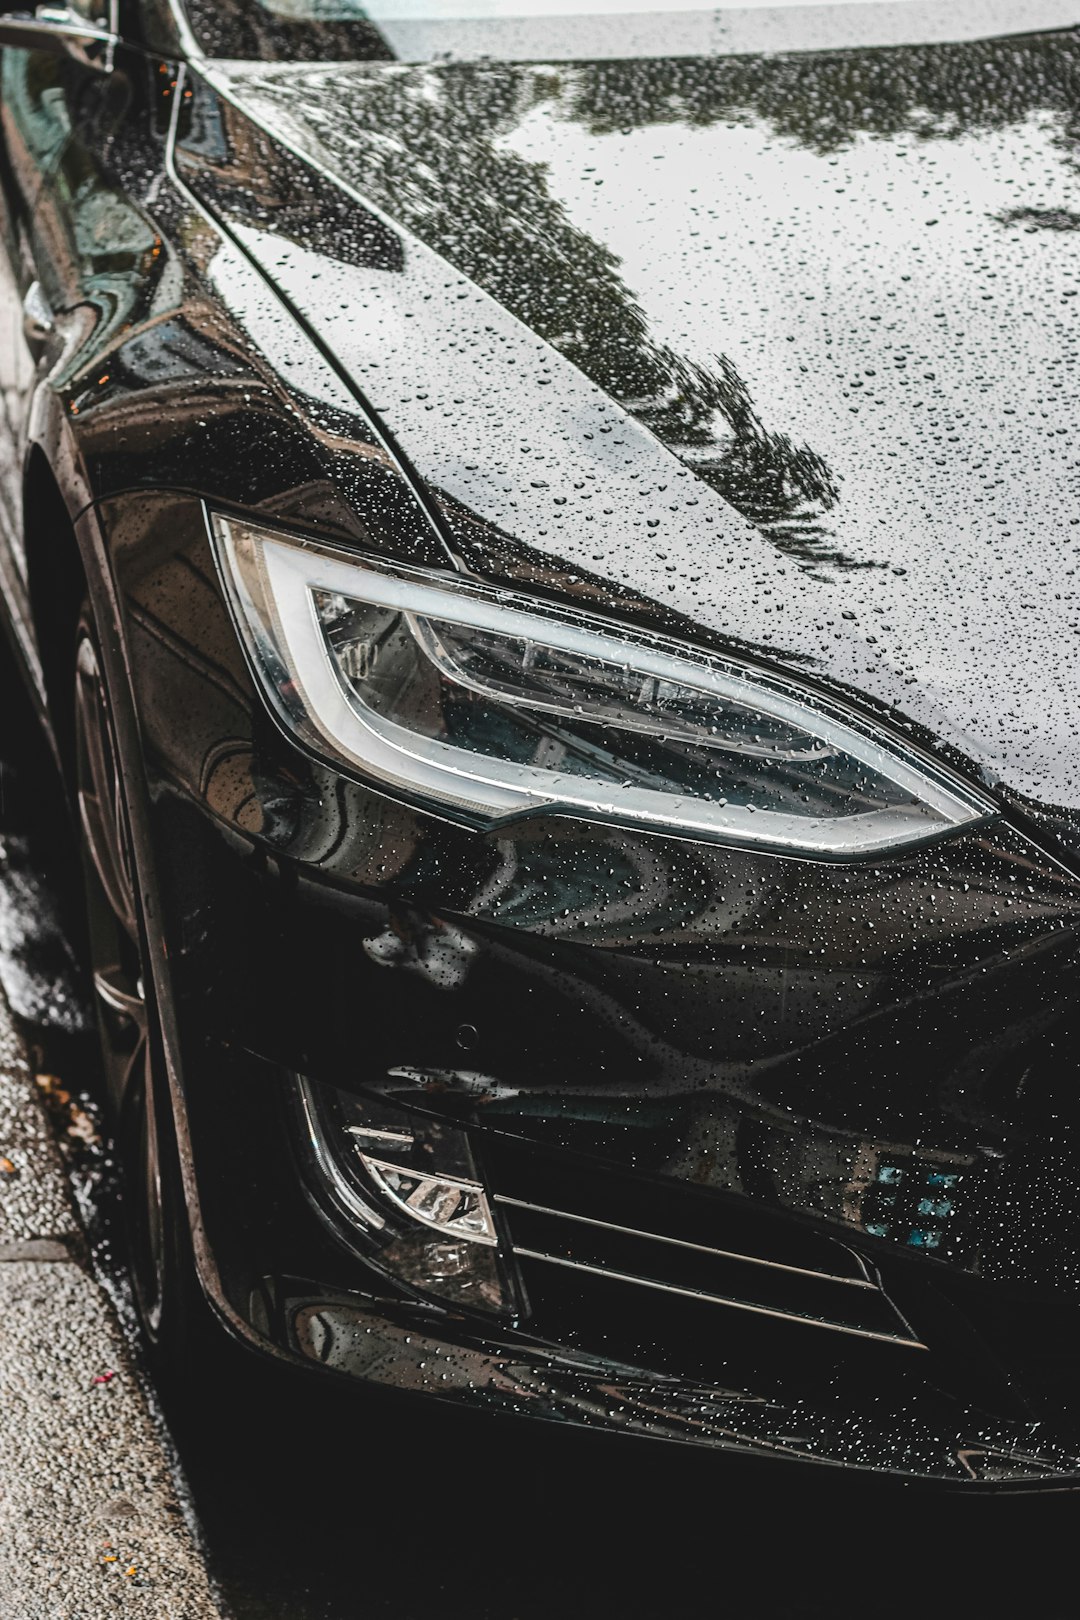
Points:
[(576, 1228)]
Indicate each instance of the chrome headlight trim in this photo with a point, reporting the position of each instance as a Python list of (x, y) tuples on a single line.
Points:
[(279, 586)]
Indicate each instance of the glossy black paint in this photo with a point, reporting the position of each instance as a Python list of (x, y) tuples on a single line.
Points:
[(434, 354)]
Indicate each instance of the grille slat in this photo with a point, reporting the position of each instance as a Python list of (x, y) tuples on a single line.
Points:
[(693, 1271), (846, 1281), (620, 1236)]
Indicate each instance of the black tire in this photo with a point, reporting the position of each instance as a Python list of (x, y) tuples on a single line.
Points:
[(172, 1311)]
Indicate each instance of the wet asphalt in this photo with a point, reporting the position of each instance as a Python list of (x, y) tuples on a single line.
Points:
[(318, 1503)]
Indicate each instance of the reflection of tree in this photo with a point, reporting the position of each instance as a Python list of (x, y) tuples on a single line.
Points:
[(1041, 219), (250, 33), (238, 169), (823, 101), (426, 144), (423, 144)]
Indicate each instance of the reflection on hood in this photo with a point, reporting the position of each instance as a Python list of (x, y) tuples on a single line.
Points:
[(489, 211), (840, 288)]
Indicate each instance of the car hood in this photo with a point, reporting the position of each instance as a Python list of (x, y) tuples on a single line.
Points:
[(783, 347)]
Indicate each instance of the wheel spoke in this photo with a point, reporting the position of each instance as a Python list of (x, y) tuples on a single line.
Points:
[(116, 946), (100, 800), (98, 844), (112, 991)]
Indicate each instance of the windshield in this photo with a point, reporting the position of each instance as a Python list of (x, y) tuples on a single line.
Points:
[(557, 30)]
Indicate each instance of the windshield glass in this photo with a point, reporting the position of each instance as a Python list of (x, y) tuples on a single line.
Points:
[(557, 30)]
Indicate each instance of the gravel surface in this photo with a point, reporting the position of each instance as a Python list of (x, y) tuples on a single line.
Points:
[(35, 1207), (92, 1517)]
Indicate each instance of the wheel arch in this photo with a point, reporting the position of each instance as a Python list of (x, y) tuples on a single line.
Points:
[(67, 563)]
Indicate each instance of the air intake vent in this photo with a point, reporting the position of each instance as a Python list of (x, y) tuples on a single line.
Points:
[(602, 1227)]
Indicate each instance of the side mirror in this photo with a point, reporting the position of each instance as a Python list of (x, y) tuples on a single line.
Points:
[(62, 30)]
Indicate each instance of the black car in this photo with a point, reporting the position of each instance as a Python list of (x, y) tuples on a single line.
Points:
[(547, 551)]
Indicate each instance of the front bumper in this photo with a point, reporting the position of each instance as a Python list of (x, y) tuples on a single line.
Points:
[(747, 1055), (949, 1414), (959, 1374)]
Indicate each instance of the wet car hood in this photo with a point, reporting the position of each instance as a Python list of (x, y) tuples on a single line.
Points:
[(784, 346)]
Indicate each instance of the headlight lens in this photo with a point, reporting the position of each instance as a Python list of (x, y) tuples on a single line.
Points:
[(487, 705)]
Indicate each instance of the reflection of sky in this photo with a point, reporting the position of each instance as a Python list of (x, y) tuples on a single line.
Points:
[(248, 300), (991, 16), (869, 300), (766, 243), (530, 30), (903, 303), (557, 8)]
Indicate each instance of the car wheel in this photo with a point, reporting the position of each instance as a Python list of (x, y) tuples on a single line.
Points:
[(166, 1293)]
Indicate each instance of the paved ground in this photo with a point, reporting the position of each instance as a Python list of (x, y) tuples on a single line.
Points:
[(91, 1521)]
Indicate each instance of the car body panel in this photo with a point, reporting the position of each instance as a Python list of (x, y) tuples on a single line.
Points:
[(837, 288), (755, 1038)]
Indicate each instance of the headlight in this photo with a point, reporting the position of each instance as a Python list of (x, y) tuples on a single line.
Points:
[(486, 706)]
